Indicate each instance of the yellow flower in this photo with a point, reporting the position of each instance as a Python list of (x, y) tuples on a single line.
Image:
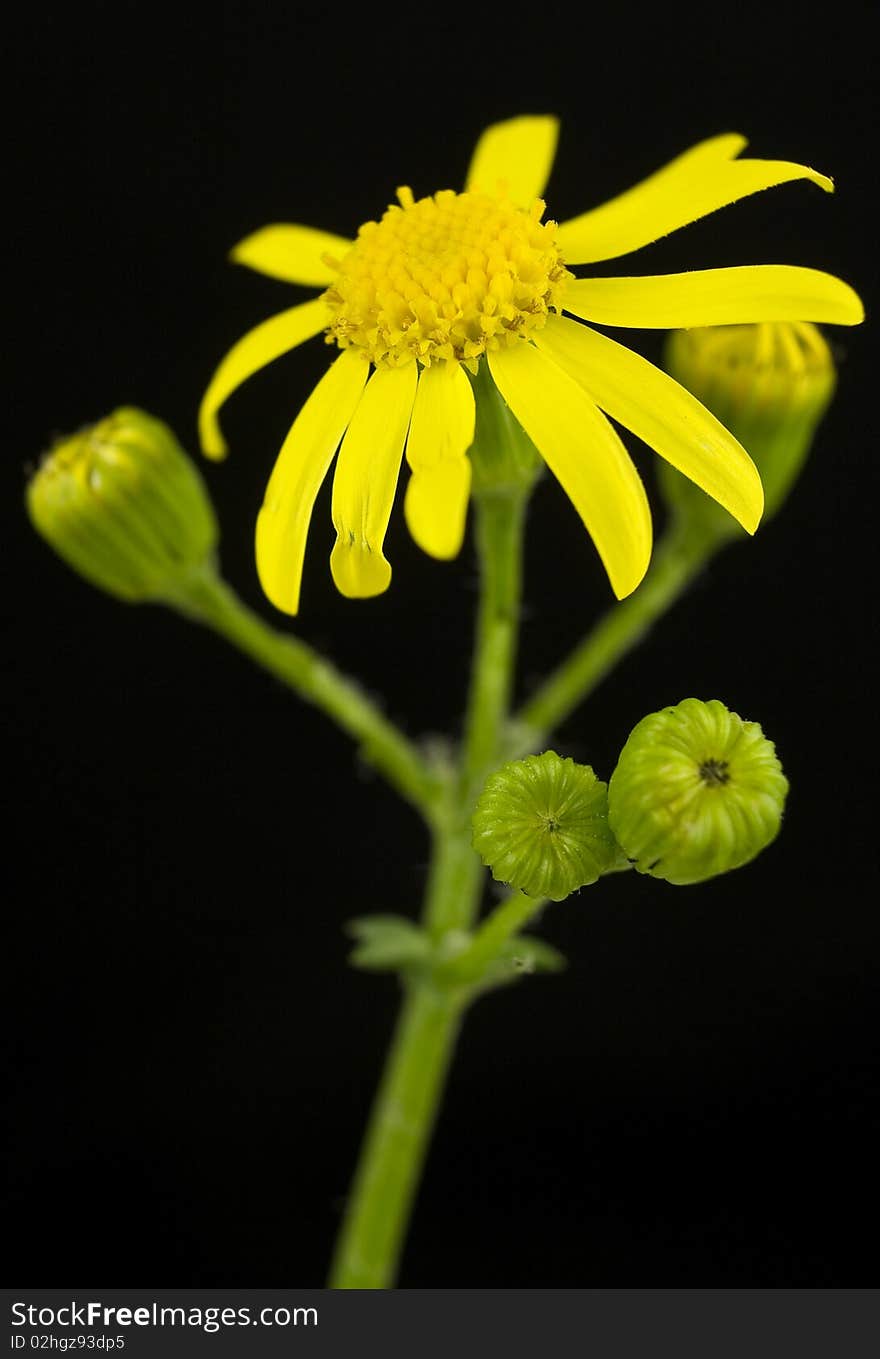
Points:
[(442, 283)]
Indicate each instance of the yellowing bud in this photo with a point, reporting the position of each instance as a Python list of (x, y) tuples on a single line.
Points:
[(696, 792), (769, 384), (122, 504)]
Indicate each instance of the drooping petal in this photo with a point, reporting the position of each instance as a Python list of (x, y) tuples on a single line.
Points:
[(716, 297), (291, 252), (306, 454), (585, 454), (693, 185), (366, 480), (441, 432), (517, 156), (658, 410), (263, 344)]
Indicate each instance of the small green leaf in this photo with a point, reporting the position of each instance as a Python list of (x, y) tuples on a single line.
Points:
[(387, 943), (521, 957), (527, 954)]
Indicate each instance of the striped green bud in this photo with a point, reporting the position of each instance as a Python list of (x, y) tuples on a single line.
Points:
[(124, 506), (769, 384), (541, 825), (696, 792)]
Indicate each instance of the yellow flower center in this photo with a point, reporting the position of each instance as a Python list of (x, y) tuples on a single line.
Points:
[(446, 277)]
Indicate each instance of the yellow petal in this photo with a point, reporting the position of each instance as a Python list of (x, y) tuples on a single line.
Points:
[(515, 156), (441, 432), (260, 346), (293, 253), (716, 297), (668, 419), (701, 181), (366, 480), (585, 454), (306, 454)]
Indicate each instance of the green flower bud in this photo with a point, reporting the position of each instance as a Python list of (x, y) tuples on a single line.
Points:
[(769, 384), (696, 792), (123, 505), (541, 825)]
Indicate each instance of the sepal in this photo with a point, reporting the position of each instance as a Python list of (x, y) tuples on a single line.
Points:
[(503, 458)]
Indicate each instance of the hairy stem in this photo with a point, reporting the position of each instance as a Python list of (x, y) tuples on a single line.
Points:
[(212, 602), (396, 1142), (509, 917), (500, 518), (409, 1095)]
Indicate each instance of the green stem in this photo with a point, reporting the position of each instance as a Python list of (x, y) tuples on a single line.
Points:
[(506, 920), (210, 600), (455, 879), (500, 517), (453, 887), (394, 1149), (409, 1096), (676, 561)]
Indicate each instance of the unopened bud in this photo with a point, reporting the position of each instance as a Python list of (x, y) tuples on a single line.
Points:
[(124, 506), (696, 792), (541, 825), (769, 384)]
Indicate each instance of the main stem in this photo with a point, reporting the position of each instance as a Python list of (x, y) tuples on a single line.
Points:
[(394, 1148), (500, 517), (409, 1095)]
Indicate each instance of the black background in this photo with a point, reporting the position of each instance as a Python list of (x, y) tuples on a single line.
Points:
[(695, 1100)]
